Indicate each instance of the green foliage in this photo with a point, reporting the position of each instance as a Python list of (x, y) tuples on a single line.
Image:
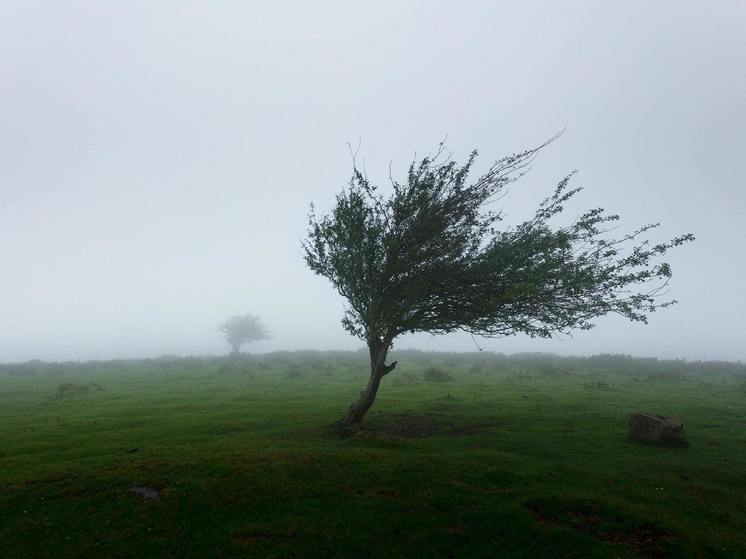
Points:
[(239, 330), (432, 257)]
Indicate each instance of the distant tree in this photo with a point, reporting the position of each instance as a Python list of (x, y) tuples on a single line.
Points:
[(239, 330), (430, 257)]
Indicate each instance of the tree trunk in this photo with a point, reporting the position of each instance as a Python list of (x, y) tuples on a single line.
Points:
[(378, 369)]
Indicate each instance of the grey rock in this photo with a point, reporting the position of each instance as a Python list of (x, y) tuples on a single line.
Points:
[(658, 429), (144, 493)]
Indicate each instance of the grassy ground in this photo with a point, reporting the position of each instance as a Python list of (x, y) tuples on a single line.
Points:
[(504, 460)]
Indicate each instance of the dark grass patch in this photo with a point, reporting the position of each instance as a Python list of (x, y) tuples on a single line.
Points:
[(414, 426), (290, 536), (436, 374), (227, 429), (602, 522), (475, 427), (405, 377), (597, 385), (493, 480), (668, 443), (70, 388), (293, 372), (48, 480)]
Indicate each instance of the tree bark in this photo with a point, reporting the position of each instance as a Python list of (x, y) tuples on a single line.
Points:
[(378, 369)]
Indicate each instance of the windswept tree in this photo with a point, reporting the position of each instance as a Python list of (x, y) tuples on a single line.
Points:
[(432, 256), (239, 330)]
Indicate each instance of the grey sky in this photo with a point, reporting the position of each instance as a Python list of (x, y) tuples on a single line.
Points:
[(157, 158)]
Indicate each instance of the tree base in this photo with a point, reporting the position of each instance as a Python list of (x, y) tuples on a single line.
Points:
[(344, 429)]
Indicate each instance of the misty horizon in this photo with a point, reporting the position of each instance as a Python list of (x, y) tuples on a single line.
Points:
[(157, 162)]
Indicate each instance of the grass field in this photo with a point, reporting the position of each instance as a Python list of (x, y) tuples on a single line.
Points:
[(510, 457)]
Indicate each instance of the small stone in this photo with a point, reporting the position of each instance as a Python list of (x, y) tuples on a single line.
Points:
[(144, 492)]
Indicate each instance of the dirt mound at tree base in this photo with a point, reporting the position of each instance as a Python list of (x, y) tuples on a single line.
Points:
[(415, 426)]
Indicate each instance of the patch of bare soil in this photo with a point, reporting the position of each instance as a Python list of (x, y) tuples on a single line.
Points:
[(592, 518), (413, 426)]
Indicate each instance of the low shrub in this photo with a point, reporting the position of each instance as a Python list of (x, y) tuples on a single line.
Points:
[(406, 377), (67, 388), (476, 369), (436, 374), (293, 372)]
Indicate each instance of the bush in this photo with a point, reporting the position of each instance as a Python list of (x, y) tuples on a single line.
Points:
[(476, 369), (67, 388), (405, 378), (436, 374), (293, 372)]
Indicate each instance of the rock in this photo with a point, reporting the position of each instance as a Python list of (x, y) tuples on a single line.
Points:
[(658, 429), (144, 492)]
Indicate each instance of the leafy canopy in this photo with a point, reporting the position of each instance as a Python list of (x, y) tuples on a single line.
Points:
[(431, 257), (243, 329)]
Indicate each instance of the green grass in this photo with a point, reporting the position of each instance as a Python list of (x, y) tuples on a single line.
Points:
[(525, 461)]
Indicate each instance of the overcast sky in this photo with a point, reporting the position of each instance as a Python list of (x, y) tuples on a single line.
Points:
[(157, 159)]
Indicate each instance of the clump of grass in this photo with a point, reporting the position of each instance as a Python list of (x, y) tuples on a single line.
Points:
[(665, 375), (597, 385), (293, 372), (476, 369), (437, 374), (551, 369), (406, 377), (68, 388)]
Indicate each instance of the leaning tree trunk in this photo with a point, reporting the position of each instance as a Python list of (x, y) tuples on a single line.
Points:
[(378, 369)]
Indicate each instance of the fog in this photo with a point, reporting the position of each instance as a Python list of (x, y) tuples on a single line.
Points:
[(157, 159)]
